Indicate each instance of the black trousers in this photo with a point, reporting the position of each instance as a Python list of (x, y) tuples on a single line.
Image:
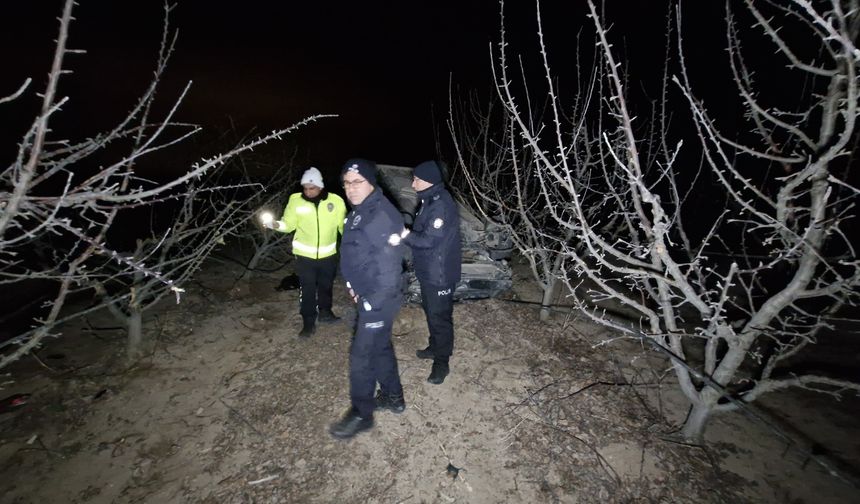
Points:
[(371, 357), (316, 277), (438, 304)]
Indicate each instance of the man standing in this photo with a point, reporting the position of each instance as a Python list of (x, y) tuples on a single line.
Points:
[(372, 269), (436, 256), (316, 216)]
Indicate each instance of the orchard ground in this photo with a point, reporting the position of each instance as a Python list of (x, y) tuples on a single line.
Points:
[(231, 407)]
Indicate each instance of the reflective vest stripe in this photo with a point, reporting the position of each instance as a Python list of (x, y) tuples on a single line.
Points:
[(310, 249)]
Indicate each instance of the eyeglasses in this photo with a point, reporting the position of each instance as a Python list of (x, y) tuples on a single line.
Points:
[(352, 183)]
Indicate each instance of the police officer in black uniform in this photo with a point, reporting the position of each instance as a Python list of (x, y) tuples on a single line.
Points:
[(436, 256), (372, 269)]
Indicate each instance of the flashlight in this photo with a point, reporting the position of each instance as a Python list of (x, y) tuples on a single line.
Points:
[(267, 218)]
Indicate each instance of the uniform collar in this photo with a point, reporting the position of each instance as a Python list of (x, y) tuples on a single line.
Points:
[(430, 191), (323, 195)]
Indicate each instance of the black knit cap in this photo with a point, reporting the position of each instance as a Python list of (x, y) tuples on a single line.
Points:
[(365, 168), (429, 171)]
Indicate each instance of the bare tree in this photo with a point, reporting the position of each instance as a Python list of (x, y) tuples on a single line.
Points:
[(485, 140), (810, 268), (504, 178), (790, 263), (52, 193), (208, 216)]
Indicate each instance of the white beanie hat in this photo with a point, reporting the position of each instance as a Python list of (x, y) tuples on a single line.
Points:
[(313, 176)]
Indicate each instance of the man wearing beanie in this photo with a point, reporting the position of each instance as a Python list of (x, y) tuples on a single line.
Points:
[(316, 216), (436, 256), (372, 269)]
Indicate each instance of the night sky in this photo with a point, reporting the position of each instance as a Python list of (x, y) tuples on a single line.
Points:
[(382, 66)]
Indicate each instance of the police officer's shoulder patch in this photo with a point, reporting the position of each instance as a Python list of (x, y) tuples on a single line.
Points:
[(438, 223)]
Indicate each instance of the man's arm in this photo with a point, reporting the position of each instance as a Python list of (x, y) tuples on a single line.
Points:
[(388, 258), (432, 233), (289, 220)]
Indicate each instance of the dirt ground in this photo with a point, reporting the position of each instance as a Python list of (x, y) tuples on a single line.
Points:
[(231, 407)]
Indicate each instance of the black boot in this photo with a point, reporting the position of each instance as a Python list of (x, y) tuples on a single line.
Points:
[(327, 317), (308, 327), (438, 372), (426, 353), (393, 403), (350, 425)]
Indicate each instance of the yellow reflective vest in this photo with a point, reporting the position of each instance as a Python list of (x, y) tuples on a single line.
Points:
[(316, 226)]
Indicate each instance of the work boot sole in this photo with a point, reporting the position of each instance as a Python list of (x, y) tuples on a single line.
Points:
[(351, 433), (392, 408), (434, 380)]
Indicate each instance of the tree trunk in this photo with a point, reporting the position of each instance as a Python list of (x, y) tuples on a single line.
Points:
[(549, 291), (259, 254), (134, 346), (252, 265), (694, 427), (255, 259), (546, 300)]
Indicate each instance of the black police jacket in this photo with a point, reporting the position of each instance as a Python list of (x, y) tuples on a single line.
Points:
[(368, 263), (435, 238)]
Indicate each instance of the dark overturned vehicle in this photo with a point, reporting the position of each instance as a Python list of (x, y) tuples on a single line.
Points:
[(486, 245)]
